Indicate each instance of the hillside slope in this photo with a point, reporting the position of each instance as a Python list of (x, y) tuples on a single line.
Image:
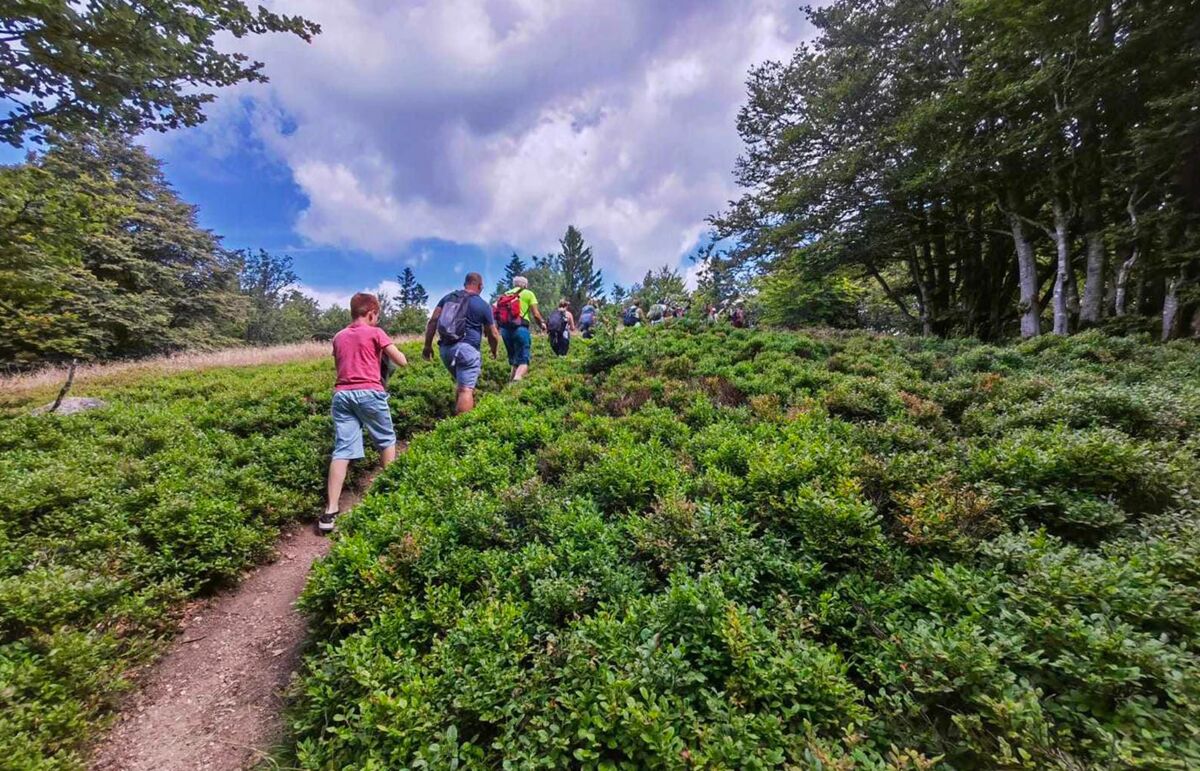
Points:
[(110, 519), (745, 549)]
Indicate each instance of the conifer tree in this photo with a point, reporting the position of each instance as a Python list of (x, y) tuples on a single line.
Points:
[(580, 279)]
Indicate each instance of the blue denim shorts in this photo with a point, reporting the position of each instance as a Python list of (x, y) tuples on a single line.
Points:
[(352, 412), (464, 362), (518, 344)]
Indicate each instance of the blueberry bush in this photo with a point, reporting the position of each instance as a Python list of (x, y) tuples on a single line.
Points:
[(109, 519), (690, 548)]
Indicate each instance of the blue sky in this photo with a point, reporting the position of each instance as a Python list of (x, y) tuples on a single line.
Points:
[(251, 200), (445, 134)]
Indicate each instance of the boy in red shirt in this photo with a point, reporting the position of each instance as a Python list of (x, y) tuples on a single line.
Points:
[(359, 398)]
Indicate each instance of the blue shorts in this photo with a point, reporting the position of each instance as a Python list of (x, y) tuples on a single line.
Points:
[(518, 343), (464, 362), (354, 410)]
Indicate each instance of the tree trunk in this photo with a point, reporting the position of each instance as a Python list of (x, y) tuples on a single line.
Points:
[(1062, 246), (1092, 304), (1029, 307), (1170, 308), (1091, 307), (1119, 304), (1122, 291), (922, 297)]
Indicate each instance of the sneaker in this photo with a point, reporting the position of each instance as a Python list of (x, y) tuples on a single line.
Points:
[(325, 522)]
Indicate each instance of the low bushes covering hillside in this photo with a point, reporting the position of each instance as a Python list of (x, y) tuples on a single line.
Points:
[(745, 550), (109, 518)]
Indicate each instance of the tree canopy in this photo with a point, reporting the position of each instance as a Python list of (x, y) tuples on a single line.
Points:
[(980, 163), (121, 65), (101, 258)]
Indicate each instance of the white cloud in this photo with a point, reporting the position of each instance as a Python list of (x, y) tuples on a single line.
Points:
[(501, 121), (341, 297)]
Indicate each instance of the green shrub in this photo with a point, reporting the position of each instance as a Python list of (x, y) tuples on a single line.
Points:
[(735, 549), (111, 518)]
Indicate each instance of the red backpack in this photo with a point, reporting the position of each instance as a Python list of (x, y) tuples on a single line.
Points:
[(508, 310)]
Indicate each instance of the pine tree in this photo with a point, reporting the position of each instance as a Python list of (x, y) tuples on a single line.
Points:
[(411, 294), (580, 279), (515, 267)]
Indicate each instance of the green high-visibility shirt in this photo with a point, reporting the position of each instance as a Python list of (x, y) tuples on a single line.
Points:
[(528, 300)]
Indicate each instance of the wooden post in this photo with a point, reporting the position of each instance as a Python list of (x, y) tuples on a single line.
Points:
[(66, 386)]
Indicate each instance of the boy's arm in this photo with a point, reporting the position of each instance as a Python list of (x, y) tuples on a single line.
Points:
[(430, 329), (395, 355)]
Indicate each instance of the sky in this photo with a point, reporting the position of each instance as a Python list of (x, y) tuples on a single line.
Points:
[(445, 135)]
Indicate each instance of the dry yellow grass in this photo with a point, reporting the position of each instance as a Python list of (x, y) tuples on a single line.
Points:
[(48, 379)]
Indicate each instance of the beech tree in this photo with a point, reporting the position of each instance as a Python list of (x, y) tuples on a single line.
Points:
[(981, 163), (121, 65)]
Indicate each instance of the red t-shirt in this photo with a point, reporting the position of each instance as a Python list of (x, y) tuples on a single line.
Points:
[(356, 352)]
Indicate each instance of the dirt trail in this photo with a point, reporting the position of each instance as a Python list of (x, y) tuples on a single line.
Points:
[(214, 701)]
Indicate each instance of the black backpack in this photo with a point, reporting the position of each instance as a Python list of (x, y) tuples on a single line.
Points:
[(452, 324), (556, 322), (631, 317)]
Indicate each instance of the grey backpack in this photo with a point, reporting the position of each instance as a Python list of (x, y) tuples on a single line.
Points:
[(452, 324)]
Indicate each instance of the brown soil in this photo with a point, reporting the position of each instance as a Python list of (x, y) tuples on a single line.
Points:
[(214, 701)]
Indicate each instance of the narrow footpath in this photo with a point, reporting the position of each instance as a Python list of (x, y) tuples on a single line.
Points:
[(215, 700)]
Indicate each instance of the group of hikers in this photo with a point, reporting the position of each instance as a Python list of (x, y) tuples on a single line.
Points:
[(665, 310), (364, 355)]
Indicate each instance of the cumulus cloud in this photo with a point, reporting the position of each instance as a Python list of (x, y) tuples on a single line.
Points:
[(327, 298), (501, 121)]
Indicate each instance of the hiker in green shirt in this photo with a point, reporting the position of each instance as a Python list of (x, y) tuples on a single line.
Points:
[(515, 312)]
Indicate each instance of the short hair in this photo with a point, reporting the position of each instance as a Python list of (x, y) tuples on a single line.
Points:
[(521, 281), (473, 279), (363, 303), (564, 303)]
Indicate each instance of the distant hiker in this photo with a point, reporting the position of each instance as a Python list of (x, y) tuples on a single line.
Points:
[(587, 319), (515, 311), (461, 319), (657, 311), (359, 397), (631, 316), (738, 317), (559, 324), (711, 314)]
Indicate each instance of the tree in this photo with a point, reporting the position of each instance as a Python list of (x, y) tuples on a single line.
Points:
[(662, 285), (619, 294), (580, 279), (44, 224), (412, 294), (102, 259), (546, 279), (121, 65), (266, 280), (978, 162), (515, 267)]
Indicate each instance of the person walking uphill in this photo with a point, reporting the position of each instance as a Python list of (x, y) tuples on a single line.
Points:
[(560, 324), (461, 319), (516, 310), (359, 397)]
